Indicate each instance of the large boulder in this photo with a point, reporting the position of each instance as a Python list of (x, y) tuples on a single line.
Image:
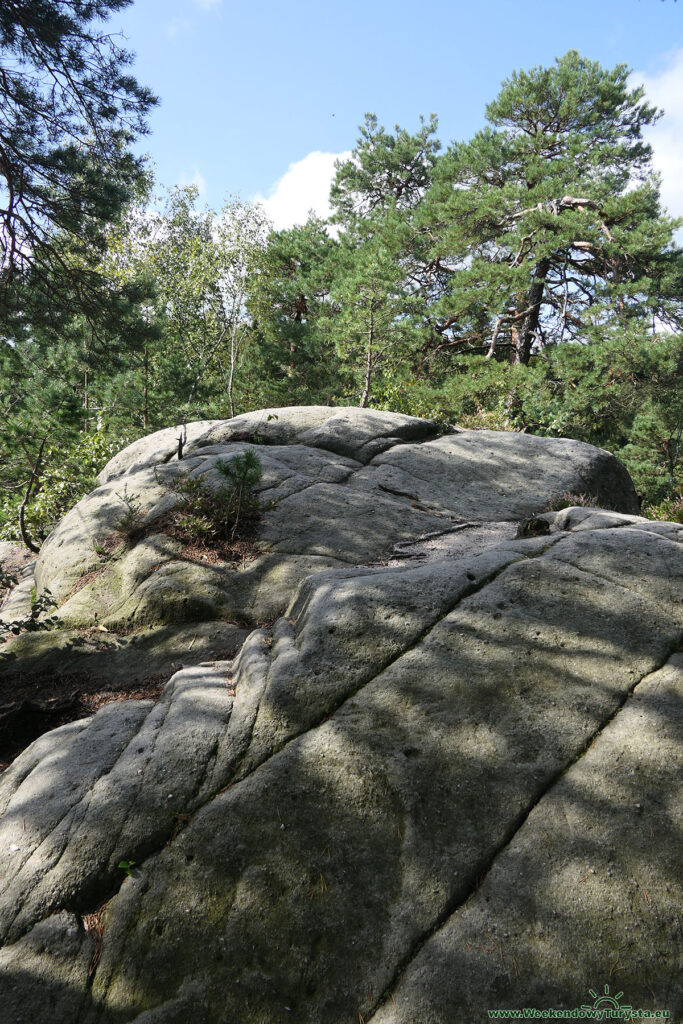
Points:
[(339, 487), (441, 783)]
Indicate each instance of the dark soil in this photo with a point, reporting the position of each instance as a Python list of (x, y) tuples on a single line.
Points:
[(30, 707), (97, 669)]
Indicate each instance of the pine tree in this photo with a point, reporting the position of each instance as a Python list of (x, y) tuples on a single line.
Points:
[(367, 316), (293, 360), (385, 170), (380, 280), (548, 224), (69, 113)]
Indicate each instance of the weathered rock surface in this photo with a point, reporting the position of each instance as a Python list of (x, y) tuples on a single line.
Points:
[(14, 557), (441, 783), (339, 487), (18, 563)]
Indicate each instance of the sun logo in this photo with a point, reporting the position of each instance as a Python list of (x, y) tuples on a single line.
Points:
[(605, 1000)]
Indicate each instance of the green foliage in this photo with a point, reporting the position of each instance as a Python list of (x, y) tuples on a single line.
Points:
[(379, 294), (368, 316), (385, 171), (218, 516), (36, 620), (73, 474), (549, 221), (69, 114), (7, 578), (204, 268), (625, 395), (513, 282), (67, 474), (292, 360), (477, 394), (57, 384), (569, 500), (544, 228), (671, 509), (129, 522)]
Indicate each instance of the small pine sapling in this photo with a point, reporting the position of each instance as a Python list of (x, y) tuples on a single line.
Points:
[(241, 475), (218, 517), (130, 520)]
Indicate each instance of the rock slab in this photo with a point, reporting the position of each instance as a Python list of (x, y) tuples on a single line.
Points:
[(441, 783)]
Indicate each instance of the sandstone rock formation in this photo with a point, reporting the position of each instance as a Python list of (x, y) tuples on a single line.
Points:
[(441, 777)]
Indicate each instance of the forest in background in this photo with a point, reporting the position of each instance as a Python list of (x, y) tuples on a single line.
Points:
[(526, 279)]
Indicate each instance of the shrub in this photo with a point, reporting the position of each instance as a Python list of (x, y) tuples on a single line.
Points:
[(222, 515), (68, 474), (669, 510), (129, 522), (35, 621), (568, 500)]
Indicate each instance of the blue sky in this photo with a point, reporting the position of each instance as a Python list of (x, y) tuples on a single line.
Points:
[(258, 97)]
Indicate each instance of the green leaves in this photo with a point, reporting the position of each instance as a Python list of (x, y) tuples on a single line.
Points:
[(203, 265), (130, 520), (37, 619), (623, 394), (69, 113), (540, 220), (369, 313), (385, 170), (446, 284), (293, 360), (218, 516)]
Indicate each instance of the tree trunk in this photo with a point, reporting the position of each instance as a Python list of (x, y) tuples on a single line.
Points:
[(145, 391), (523, 336), (368, 367), (33, 480), (86, 402), (231, 378), (86, 383)]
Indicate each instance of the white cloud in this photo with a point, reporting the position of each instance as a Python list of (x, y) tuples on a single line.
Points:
[(665, 90), (305, 186), (208, 5), (197, 179)]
